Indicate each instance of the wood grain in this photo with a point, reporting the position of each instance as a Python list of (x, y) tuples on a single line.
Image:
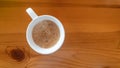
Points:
[(92, 34)]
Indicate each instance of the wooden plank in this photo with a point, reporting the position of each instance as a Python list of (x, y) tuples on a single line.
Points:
[(80, 50), (91, 2), (62, 3), (85, 19)]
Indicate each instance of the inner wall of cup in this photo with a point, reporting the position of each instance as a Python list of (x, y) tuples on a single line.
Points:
[(36, 21)]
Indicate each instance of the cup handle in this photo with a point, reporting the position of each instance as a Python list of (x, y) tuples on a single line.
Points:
[(31, 13)]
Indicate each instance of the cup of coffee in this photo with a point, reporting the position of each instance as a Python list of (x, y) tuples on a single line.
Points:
[(45, 34)]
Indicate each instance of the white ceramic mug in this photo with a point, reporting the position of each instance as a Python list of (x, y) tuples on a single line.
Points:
[(36, 19)]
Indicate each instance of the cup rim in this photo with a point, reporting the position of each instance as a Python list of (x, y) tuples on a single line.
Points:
[(37, 48)]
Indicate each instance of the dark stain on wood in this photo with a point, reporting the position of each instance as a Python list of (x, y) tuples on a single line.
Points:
[(17, 54)]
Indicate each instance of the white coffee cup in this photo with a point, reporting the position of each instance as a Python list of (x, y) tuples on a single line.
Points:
[(36, 19)]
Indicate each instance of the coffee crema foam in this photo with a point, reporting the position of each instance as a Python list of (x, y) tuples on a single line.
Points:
[(45, 34)]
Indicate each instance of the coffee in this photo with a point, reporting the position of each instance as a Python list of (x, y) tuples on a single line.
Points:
[(45, 34)]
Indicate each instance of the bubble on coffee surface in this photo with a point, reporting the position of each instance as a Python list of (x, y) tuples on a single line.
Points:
[(45, 34)]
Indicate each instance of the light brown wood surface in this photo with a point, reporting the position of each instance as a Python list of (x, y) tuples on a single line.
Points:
[(92, 34)]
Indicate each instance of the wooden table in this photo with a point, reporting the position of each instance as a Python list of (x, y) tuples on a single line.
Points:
[(92, 34)]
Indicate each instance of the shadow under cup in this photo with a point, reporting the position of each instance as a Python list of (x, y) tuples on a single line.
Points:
[(36, 47)]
